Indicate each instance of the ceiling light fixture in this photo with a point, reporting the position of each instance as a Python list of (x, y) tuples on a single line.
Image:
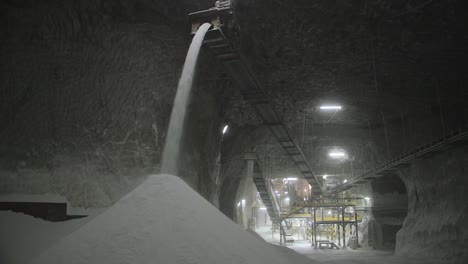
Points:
[(291, 179), (330, 107), (336, 154), (225, 129), (345, 181)]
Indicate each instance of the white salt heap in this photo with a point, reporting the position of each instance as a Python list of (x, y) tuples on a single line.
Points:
[(164, 221)]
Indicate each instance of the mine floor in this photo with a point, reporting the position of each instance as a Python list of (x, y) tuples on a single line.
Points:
[(348, 256)]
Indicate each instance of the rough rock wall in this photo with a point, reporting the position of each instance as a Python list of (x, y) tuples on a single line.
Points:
[(86, 93), (389, 209), (435, 227), (385, 212)]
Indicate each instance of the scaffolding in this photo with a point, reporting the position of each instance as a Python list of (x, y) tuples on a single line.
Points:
[(340, 214)]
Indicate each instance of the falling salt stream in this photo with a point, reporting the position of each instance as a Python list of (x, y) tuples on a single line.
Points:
[(176, 123)]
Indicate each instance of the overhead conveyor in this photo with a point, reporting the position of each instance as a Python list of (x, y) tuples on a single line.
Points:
[(217, 43), (403, 161), (264, 188)]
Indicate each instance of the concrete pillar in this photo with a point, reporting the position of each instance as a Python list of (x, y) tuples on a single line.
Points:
[(247, 193)]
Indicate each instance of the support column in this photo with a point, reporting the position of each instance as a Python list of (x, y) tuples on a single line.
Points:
[(272, 230), (357, 229), (344, 226), (311, 228), (338, 232), (281, 233), (247, 190), (315, 228)]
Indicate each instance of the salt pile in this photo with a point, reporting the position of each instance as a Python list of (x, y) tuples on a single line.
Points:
[(164, 221)]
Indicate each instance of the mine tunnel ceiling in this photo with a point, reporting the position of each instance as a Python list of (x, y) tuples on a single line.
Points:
[(393, 66), (385, 62)]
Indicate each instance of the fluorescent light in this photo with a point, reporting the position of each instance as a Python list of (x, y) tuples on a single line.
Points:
[(336, 154), (262, 208), (325, 176), (276, 191), (291, 179), (238, 204), (286, 199), (330, 107), (367, 198), (225, 129), (285, 192), (345, 181), (329, 212)]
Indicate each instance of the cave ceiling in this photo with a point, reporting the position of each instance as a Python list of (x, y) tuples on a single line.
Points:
[(399, 62), (369, 56), (391, 65)]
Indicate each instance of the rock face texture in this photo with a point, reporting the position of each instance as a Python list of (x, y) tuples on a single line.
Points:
[(389, 209), (86, 94), (437, 210)]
